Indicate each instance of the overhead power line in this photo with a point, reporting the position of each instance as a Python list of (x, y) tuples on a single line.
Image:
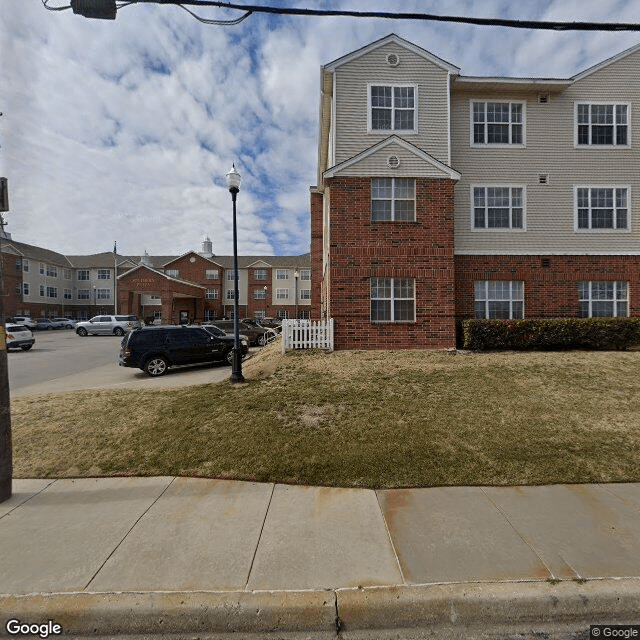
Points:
[(107, 9)]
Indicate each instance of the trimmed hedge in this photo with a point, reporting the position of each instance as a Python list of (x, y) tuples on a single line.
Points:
[(551, 333)]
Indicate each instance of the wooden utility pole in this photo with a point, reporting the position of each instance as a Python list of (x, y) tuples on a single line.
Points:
[(6, 456)]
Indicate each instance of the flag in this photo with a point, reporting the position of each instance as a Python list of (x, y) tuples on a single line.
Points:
[(114, 248)]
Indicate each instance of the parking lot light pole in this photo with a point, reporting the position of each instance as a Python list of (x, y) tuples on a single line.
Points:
[(233, 182)]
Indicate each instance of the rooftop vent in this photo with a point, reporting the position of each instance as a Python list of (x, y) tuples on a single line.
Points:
[(393, 162), (544, 98), (543, 178)]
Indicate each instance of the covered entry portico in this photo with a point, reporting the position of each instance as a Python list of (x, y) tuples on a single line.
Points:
[(148, 293)]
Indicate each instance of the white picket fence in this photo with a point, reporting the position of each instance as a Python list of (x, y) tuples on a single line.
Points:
[(307, 334)]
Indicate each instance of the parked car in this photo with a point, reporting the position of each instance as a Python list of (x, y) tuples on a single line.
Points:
[(25, 320), (256, 333), (155, 349), (45, 324), (216, 331), (64, 323), (19, 336), (107, 325)]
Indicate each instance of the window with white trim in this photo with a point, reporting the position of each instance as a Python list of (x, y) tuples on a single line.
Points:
[(304, 294), (83, 274), (260, 314), (392, 108), (260, 274), (67, 294), (172, 273), (305, 274), (230, 275), (497, 123), (602, 208), (209, 315), (282, 294), (282, 274), (52, 271), (602, 124), (104, 274), (103, 294), (67, 274), (25, 288), (283, 314), (603, 299), (498, 207), (25, 265), (52, 292), (211, 274), (231, 294), (499, 299), (84, 294), (259, 294), (393, 199), (43, 290), (393, 300), (211, 294), (41, 269)]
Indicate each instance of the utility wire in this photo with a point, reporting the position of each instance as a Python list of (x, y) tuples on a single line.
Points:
[(294, 11)]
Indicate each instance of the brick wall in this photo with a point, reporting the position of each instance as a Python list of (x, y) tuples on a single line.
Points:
[(361, 249), (550, 282)]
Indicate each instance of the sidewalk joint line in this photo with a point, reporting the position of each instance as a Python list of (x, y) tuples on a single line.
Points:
[(93, 577), (37, 493), (255, 551), (393, 546), (506, 517)]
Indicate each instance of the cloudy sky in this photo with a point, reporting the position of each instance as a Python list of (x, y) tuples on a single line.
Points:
[(124, 130)]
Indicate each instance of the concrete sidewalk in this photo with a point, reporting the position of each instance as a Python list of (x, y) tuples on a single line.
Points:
[(202, 558)]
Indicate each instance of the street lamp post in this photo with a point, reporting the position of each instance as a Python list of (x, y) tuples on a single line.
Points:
[(233, 182), (265, 300), (295, 292)]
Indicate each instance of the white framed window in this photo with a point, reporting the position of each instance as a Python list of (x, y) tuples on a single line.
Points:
[(498, 207), (18, 288), (393, 108), (283, 314), (211, 294), (43, 290), (305, 274), (172, 273), (260, 274), (282, 274), (104, 274), (603, 299), (209, 315), (393, 300), (67, 274), (304, 314), (499, 299), (259, 315), (230, 275), (231, 294), (304, 294), (602, 124), (211, 274), (497, 124), (25, 264), (67, 294), (601, 208), (41, 269), (103, 294), (25, 288), (393, 199), (260, 294), (52, 292), (52, 271), (84, 294), (282, 294), (83, 274)]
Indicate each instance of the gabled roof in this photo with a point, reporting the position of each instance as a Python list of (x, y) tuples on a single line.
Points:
[(32, 252), (392, 37), (159, 274), (191, 253), (606, 63), (259, 263), (427, 158)]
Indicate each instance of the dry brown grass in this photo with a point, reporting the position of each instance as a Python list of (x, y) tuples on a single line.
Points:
[(357, 418)]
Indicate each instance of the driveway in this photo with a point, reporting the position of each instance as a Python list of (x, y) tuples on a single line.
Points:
[(61, 361)]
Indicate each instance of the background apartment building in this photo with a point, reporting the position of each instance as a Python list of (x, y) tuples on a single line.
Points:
[(442, 197), (196, 287)]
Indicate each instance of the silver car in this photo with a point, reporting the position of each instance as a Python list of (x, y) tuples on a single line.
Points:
[(107, 325)]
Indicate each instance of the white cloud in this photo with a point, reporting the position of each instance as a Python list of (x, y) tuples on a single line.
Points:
[(124, 130)]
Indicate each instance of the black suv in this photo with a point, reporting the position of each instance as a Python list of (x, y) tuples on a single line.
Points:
[(155, 349)]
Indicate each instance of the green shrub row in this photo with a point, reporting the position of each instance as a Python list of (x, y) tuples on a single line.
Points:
[(551, 333)]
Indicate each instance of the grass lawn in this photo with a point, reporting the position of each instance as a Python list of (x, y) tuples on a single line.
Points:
[(356, 419)]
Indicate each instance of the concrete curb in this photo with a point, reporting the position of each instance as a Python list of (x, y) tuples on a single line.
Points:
[(453, 609)]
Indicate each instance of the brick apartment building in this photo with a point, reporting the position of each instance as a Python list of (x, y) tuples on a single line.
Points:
[(197, 287), (442, 196)]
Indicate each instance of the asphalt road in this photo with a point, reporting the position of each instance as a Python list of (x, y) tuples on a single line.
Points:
[(61, 361)]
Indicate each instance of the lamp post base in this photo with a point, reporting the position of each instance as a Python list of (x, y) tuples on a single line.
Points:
[(236, 369)]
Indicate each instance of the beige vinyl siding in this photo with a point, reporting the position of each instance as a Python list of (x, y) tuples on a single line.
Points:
[(351, 94), (550, 150), (376, 165)]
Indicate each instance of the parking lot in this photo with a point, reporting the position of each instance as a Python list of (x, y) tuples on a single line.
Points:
[(61, 361)]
